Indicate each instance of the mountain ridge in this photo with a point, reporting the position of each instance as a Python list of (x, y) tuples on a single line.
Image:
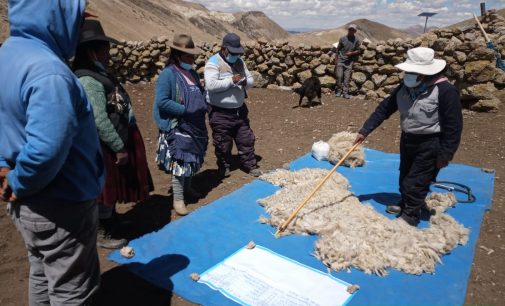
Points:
[(144, 19), (372, 30), (140, 20)]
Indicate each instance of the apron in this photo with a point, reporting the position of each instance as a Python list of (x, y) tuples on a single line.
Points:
[(181, 150), (190, 134)]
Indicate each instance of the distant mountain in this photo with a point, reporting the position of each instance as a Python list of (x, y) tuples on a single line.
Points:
[(417, 30), (372, 30), (144, 19), (256, 25), (300, 30)]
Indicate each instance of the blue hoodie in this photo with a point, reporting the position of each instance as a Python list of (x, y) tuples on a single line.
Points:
[(48, 135)]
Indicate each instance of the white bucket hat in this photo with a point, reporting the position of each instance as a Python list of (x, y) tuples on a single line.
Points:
[(421, 60)]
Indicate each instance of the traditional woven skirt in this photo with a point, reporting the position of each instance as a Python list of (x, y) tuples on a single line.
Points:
[(131, 182), (170, 164)]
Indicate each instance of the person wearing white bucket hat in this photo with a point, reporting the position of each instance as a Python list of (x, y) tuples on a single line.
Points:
[(431, 123)]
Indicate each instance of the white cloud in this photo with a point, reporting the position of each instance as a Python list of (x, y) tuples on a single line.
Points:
[(334, 13)]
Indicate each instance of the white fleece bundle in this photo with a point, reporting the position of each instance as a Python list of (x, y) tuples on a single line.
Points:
[(353, 234), (340, 144)]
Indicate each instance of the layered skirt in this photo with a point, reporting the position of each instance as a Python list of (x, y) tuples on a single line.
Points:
[(131, 182)]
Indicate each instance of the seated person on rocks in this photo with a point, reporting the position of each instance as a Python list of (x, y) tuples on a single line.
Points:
[(431, 123), (226, 81)]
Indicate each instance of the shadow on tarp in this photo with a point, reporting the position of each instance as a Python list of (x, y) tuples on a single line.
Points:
[(384, 198), (119, 286), (210, 234)]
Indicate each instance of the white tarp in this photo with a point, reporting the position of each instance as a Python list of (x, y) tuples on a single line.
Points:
[(261, 277)]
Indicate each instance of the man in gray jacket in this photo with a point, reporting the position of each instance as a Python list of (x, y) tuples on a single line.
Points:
[(347, 54)]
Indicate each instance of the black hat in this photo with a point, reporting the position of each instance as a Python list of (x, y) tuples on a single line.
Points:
[(232, 42), (92, 30)]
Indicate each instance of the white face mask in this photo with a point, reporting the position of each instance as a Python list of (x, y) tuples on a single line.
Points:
[(410, 80)]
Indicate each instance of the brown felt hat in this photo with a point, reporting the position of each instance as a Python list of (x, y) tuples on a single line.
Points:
[(184, 43), (92, 30)]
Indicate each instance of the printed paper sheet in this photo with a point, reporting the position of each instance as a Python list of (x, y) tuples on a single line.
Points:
[(261, 277)]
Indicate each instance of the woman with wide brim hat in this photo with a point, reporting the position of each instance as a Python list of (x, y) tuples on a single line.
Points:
[(127, 177), (179, 111), (431, 123)]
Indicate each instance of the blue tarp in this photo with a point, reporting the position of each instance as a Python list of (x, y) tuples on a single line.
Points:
[(207, 236)]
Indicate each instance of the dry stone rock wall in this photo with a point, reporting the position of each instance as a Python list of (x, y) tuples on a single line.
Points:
[(471, 65)]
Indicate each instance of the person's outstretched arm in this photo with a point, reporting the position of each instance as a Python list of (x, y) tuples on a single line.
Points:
[(383, 111)]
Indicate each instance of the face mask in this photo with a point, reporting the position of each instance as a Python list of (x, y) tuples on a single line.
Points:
[(99, 65), (232, 58), (186, 66), (410, 80)]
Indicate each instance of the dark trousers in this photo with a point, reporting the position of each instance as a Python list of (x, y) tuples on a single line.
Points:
[(230, 125), (418, 168), (343, 73)]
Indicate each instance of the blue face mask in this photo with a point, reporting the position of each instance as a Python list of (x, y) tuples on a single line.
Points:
[(232, 58), (411, 80), (186, 66), (99, 65)]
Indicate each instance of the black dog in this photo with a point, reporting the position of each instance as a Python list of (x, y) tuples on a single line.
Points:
[(311, 88)]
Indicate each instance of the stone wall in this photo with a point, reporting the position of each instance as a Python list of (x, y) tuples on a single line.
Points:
[(471, 66)]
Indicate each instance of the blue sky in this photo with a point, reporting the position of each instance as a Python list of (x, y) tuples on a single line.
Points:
[(330, 14)]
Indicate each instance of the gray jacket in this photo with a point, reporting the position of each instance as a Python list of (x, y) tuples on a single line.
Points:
[(436, 110)]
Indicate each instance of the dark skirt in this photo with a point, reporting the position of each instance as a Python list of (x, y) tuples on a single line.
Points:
[(131, 182), (187, 165)]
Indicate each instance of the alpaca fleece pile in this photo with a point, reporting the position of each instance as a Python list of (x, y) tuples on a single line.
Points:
[(353, 234), (340, 143), (319, 211)]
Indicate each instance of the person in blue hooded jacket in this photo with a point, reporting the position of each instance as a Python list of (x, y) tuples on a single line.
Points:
[(51, 168)]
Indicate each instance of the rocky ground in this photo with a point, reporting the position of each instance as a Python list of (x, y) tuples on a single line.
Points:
[(283, 134)]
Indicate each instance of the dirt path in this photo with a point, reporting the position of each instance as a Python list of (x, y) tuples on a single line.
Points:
[(283, 134)]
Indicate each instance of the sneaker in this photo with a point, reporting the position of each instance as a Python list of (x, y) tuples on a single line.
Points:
[(105, 240), (180, 207), (255, 172), (394, 209), (347, 96), (224, 171), (338, 94)]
